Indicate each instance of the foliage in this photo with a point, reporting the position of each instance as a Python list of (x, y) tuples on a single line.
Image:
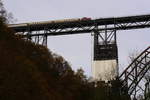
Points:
[(109, 91), (4, 15)]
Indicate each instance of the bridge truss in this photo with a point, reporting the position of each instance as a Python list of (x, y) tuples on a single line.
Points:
[(104, 30), (135, 72), (39, 32)]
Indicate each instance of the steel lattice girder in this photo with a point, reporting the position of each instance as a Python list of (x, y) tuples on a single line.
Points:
[(133, 74), (84, 26)]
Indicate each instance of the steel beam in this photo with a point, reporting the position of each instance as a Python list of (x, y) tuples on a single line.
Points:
[(85, 26), (105, 45), (135, 72)]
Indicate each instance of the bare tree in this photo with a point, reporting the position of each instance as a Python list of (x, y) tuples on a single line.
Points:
[(4, 15)]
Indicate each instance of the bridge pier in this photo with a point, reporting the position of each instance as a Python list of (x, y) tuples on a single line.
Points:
[(105, 60), (37, 39)]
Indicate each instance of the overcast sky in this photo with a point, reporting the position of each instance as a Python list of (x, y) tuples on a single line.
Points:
[(76, 49)]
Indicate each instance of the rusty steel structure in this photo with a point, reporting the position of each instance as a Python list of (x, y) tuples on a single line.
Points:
[(105, 44)]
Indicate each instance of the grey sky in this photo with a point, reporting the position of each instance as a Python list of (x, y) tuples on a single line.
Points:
[(77, 48)]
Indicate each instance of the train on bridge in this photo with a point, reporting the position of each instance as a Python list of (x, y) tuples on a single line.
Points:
[(73, 20)]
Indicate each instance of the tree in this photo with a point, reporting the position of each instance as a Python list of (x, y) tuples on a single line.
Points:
[(4, 15)]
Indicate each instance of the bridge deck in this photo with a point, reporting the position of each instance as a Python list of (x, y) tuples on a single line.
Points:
[(84, 26)]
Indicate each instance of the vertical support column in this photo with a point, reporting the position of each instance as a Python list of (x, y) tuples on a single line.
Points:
[(147, 90), (105, 63), (40, 39), (44, 43), (28, 38)]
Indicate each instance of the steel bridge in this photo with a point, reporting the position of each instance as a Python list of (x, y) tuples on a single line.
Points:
[(103, 25), (104, 30), (135, 72)]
